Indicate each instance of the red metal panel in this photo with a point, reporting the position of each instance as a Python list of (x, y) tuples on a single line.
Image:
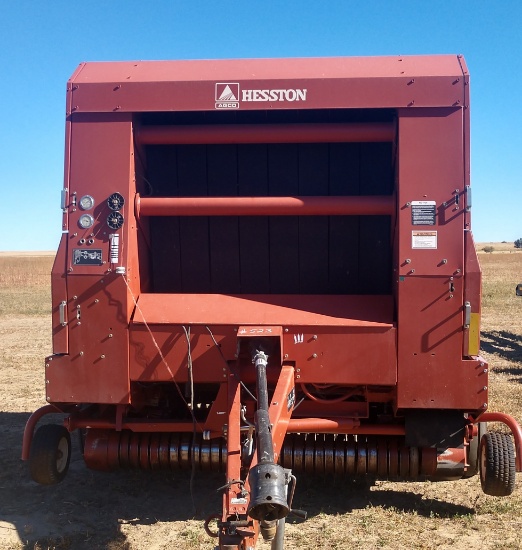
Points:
[(431, 169), (342, 339), (431, 373), (272, 310), (377, 82), (430, 288), (98, 307), (59, 299), (147, 365), (96, 369), (360, 356)]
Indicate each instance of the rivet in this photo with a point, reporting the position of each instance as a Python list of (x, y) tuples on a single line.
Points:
[(314, 355), (485, 405), (46, 365), (298, 376), (96, 301), (286, 330), (485, 388), (314, 336), (286, 356), (102, 356), (408, 261), (48, 399), (297, 370), (81, 352), (110, 335), (444, 261), (485, 371)]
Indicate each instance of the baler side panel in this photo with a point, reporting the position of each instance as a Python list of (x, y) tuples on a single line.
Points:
[(99, 306), (431, 265)]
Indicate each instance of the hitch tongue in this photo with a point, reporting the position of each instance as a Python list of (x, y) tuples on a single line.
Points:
[(268, 500)]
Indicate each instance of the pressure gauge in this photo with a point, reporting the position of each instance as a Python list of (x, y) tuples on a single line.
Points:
[(85, 221), (86, 202), (114, 220), (116, 201)]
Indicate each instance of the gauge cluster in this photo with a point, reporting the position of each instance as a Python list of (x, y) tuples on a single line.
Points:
[(92, 211)]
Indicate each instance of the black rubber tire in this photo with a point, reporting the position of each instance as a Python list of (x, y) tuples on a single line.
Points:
[(473, 451), (497, 464), (50, 454)]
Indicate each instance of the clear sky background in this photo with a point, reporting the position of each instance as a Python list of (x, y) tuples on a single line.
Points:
[(42, 42)]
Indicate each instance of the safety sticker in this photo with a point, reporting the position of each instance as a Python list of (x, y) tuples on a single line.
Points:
[(424, 239), (423, 212)]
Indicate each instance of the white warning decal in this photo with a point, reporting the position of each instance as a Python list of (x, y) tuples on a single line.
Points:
[(424, 239)]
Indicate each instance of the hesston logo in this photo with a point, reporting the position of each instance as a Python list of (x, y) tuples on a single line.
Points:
[(228, 96)]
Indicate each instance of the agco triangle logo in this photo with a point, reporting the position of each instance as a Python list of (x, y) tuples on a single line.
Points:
[(227, 95)]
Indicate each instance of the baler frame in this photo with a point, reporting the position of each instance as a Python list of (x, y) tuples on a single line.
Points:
[(264, 289)]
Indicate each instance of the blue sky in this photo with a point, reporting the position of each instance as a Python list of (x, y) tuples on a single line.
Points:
[(42, 42)]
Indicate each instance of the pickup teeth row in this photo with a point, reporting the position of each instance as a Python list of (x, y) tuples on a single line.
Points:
[(314, 454)]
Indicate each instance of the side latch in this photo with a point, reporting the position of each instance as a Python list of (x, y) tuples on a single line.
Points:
[(467, 314), (63, 310)]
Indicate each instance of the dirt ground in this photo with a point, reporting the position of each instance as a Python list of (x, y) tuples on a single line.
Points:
[(143, 510)]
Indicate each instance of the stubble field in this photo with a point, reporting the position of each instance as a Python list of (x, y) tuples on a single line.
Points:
[(140, 510)]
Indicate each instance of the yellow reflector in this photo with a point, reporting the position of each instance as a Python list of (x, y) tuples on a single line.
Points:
[(474, 334)]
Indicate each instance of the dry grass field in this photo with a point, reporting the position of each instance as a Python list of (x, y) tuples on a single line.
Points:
[(136, 510)]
